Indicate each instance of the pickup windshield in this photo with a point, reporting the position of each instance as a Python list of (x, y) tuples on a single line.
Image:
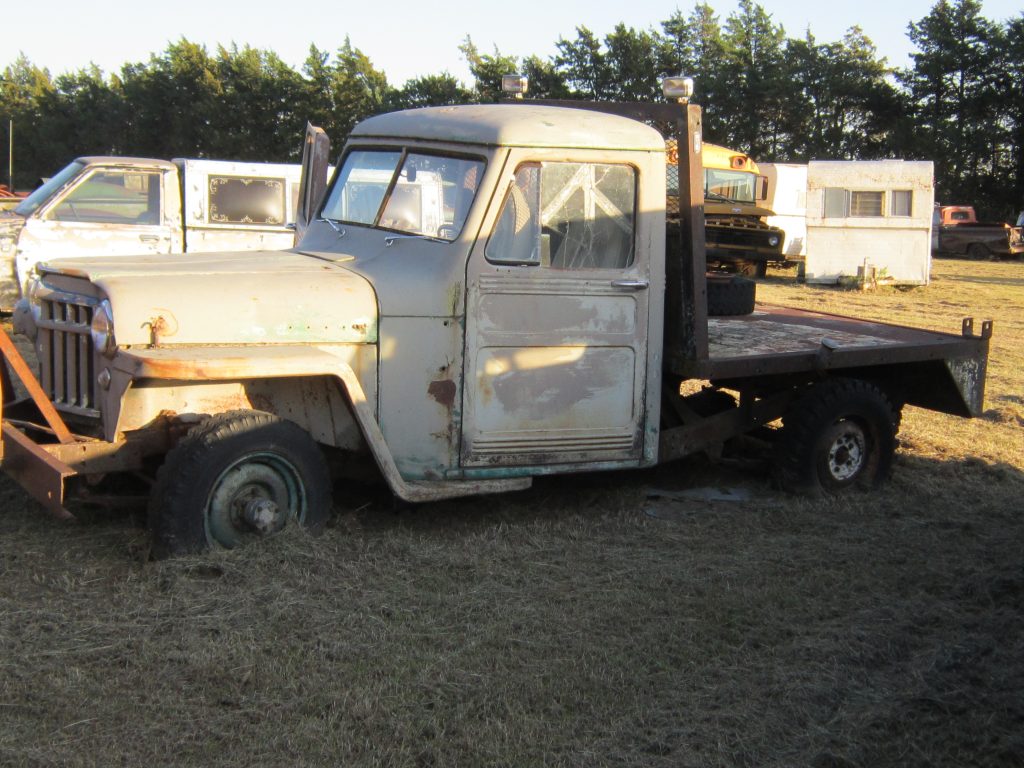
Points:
[(30, 204), (408, 192)]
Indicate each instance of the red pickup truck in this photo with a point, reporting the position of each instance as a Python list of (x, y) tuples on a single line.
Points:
[(956, 231)]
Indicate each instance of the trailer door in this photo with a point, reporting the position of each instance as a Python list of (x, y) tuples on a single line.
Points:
[(556, 327)]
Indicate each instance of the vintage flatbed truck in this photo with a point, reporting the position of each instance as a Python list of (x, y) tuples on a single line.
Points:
[(534, 321)]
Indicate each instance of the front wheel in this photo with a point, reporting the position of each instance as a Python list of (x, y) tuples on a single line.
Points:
[(235, 478), (840, 434)]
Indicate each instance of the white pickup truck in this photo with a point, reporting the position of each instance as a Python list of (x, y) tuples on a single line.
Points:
[(131, 205), (539, 316)]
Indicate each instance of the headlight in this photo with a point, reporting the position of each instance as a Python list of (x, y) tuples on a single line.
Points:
[(773, 240), (103, 329)]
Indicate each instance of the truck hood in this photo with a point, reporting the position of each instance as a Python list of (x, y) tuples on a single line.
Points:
[(249, 297)]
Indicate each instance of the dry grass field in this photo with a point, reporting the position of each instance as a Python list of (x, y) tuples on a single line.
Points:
[(582, 623)]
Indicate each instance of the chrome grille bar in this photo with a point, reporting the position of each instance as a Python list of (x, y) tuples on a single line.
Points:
[(65, 350)]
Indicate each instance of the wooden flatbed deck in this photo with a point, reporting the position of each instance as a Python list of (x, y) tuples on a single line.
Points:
[(780, 340)]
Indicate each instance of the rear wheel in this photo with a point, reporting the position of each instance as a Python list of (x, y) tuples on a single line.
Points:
[(840, 434), (977, 251), (237, 477)]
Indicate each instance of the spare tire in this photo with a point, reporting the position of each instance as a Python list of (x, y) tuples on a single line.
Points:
[(730, 295)]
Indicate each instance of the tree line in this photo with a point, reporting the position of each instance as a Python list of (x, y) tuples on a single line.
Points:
[(780, 98)]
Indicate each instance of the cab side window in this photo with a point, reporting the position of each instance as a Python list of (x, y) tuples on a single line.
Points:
[(113, 197), (569, 216)]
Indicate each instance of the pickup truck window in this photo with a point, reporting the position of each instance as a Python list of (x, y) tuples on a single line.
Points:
[(113, 197), (30, 204), (567, 216), (246, 200), (413, 193)]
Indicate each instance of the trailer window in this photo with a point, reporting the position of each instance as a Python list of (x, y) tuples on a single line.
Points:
[(246, 201), (902, 200), (567, 216), (112, 197), (866, 203), (853, 203)]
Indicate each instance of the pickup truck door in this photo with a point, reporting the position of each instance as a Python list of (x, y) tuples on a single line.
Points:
[(108, 211), (557, 320), (316, 151)]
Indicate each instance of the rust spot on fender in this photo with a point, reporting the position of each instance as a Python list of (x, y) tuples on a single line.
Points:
[(443, 391)]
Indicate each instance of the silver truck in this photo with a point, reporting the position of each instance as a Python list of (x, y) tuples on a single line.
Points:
[(482, 295), (133, 205)]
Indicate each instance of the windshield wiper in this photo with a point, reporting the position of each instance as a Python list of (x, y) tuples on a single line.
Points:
[(390, 239), (335, 225)]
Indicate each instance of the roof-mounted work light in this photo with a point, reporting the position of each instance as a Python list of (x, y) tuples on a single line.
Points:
[(515, 85), (679, 88)]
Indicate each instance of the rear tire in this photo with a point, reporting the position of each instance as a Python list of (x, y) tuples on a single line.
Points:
[(729, 295), (237, 477), (840, 434), (978, 252)]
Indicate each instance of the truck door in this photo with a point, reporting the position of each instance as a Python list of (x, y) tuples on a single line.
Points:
[(109, 211), (556, 326), (316, 151)]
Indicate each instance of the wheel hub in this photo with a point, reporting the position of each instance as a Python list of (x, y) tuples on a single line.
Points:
[(262, 514), (847, 453), (257, 495)]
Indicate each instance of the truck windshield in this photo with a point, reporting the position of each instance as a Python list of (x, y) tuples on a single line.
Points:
[(734, 185), (412, 193), (30, 204)]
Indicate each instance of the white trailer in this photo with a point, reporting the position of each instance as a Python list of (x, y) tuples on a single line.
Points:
[(787, 196), (869, 219)]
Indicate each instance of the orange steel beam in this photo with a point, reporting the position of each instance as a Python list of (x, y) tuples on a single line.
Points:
[(14, 359)]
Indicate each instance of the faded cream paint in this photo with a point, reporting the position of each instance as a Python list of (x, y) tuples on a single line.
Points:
[(557, 361)]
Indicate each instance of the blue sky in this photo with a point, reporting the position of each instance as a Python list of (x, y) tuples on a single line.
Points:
[(403, 38)]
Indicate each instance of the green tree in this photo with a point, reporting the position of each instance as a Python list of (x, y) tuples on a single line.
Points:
[(692, 45), (431, 91), (632, 60), (487, 70), (952, 88), (759, 90), (1012, 111), (22, 88), (174, 99), (584, 65), (259, 116), (846, 107)]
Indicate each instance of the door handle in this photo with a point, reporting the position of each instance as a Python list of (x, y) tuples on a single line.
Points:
[(149, 238), (631, 285)]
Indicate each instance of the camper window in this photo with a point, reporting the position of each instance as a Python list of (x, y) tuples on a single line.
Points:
[(901, 205), (246, 200)]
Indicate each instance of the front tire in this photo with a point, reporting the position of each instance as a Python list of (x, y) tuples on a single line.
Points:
[(840, 434), (237, 477)]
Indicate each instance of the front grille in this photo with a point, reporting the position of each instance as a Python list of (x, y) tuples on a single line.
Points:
[(66, 360)]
